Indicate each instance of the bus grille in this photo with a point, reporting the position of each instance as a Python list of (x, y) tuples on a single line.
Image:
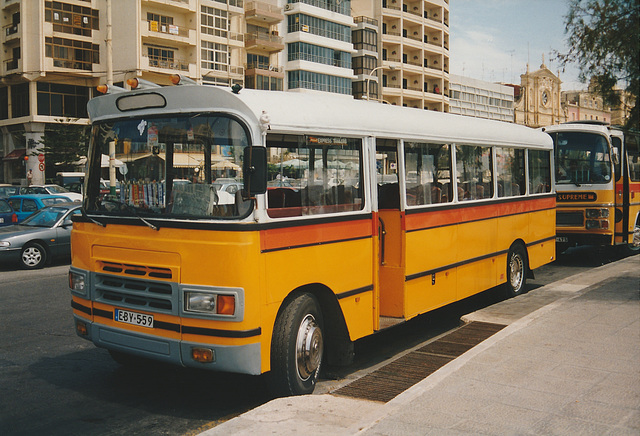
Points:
[(570, 219), (136, 270), (138, 294)]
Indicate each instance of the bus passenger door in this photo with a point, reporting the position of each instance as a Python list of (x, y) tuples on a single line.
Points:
[(391, 234), (621, 192)]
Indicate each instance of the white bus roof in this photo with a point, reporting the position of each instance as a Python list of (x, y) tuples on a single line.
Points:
[(327, 114)]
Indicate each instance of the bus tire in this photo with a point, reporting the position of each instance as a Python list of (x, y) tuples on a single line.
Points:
[(296, 347), (517, 273), (33, 256), (633, 247)]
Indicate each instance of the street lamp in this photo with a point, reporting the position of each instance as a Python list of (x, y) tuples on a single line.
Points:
[(370, 75)]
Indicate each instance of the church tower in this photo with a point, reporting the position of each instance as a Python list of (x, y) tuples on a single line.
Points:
[(538, 104)]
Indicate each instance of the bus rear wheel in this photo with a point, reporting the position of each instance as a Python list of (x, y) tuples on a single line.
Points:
[(516, 271), (297, 347)]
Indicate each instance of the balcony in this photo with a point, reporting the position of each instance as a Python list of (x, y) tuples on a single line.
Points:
[(260, 69), (10, 65), (263, 41), (169, 32), (263, 13), (168, 64), (11, 31)]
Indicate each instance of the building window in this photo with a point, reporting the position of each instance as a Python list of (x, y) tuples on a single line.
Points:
[(319, 82), (214, 21), (301, 51), (263, 82), (4, 103), (364, 65), (160, 57), (69, 53), (20, 100), (257, 61), (74, 19), (365, 39), (62, 100), (215, 56), (318, 26)]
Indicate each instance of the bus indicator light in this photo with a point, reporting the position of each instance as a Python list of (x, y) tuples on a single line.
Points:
[(226, 305), (202, 355), (81, 328)]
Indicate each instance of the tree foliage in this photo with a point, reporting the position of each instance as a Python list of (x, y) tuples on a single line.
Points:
[(603, 37), (64, 144)]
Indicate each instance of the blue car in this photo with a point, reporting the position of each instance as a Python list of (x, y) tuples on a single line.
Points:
[(8, 216), (25, 205)]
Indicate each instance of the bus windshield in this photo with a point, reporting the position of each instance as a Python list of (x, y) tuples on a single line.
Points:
[(581, 158), (167, 167)]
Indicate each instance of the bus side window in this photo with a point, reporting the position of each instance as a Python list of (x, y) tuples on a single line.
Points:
[(539, 171), (313, 175), (475, 175)]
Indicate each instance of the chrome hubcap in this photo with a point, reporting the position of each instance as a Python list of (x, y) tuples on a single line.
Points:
[(636, 238), (31, 256), (516, 269), (308, 347)]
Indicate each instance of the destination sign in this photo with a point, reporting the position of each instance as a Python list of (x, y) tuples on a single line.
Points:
[(568, 197)]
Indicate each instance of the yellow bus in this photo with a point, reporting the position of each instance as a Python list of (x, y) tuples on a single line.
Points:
[(264, 232), (597, 185)]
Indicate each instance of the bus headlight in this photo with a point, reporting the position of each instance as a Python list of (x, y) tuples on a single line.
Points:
[(597, 213), (206, 302), (597, 224), (200, 302), (76, 282)]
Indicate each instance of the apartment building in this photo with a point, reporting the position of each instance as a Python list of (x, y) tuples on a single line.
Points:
[(412, 66), (55, 54), (318, 46)]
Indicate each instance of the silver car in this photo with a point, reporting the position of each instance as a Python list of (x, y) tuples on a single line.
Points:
[(44, 235)]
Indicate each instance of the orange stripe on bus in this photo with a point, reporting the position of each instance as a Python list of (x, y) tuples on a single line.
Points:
[(296, 236), (459, 215)]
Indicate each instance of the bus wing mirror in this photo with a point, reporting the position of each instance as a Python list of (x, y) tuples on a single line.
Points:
[(255, 170), (616, 156)]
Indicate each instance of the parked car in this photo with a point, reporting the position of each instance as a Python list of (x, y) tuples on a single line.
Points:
[(26, 204), (41, 237), (8, 216), (53, 190), (7, 191)]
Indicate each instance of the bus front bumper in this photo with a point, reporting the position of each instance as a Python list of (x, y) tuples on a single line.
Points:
[(243, 359)]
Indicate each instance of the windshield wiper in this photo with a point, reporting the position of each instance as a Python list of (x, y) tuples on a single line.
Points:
[(84, 215), (131, 210)]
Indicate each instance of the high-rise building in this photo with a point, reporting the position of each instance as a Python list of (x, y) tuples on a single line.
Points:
[(56, 53), (412, 67), (318, 45), (480, 99)]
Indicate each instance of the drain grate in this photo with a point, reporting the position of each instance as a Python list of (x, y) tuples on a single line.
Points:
[(389, 381)]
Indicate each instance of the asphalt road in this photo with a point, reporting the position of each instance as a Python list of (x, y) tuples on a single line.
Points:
[(54, 383)]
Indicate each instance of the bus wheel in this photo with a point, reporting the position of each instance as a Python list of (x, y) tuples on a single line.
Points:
[(296, 348), (634, 246), (516, 271), (33, 256)]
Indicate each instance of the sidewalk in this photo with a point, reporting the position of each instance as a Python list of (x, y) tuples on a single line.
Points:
[(568, 362)]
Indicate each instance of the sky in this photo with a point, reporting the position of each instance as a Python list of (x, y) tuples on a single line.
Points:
[(493, 40)]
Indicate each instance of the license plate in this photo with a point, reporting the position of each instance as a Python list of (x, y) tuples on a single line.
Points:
[(133, 318), (562, 239)]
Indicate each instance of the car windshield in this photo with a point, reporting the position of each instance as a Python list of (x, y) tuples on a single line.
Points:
[(166, 167), (582, 158), (57, 189), (7, 191), (46, 217)]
